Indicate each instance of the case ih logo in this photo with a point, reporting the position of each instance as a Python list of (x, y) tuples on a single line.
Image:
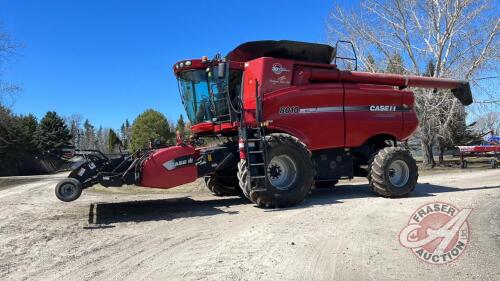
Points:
[(182, 161), (437, 232), (278, 69), (382, 108)]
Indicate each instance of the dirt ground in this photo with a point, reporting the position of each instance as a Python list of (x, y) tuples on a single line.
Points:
[(341, 233)]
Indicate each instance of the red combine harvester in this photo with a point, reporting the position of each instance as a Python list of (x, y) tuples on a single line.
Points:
[(292, 121)]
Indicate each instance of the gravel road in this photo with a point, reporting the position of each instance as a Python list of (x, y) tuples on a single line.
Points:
[(341, 233)]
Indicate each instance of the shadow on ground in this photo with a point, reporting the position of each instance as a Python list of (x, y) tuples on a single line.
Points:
[(341, 193), (168, 209), (364, 190), (161, 209)]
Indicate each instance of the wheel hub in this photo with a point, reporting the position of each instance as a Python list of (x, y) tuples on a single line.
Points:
[(281, 172), (275, 171), (399, 173), (68, 189)]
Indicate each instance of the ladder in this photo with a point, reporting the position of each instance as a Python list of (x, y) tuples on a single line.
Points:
[(256, 147), (256, 157)]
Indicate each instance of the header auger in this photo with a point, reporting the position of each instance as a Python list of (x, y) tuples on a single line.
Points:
[(293, 122)]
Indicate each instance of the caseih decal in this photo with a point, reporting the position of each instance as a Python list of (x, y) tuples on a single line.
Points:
[(278, 69), (437, 232), (178, 162), (382, 108)]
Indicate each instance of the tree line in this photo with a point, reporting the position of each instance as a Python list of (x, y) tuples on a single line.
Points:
[(149, 128), (24, 140)]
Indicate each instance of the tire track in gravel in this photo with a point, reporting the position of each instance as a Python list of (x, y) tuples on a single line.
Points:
[(214, 255), (114, 261), (159, 257)]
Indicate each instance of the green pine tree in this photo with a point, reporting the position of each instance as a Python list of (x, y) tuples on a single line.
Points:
[(28, 128), (370, 64), (52, 133), (395, 64), (17, 141), (181, 127), (430, 69), (113, 140), (89, 137), (9, 142)]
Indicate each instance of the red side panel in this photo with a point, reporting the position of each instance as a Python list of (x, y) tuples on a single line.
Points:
[(371, 110), (313, 113), (410, 119), (170, 167), (271, 74)]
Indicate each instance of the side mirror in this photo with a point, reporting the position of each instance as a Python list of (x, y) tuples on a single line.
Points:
[(221, 70)]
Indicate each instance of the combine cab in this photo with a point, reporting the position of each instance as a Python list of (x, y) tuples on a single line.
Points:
[(291, 120)]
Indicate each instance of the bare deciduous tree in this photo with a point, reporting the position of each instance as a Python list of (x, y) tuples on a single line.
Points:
[(460, 37), (489, 122), (7, 51), (74, 123)]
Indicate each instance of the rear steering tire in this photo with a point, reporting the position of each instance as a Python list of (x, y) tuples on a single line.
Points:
[(68, 190), (289, 173), (393, 172)]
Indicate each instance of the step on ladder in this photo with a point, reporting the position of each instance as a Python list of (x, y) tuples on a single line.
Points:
[(256, 157)]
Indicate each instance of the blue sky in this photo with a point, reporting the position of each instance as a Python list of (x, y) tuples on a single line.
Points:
[(110, 60)]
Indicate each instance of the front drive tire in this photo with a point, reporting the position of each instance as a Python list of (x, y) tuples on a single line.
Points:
[(222, 185), (393, 172), (289, 173)]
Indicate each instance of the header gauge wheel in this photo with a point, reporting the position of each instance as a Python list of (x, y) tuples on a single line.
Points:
[(68, 190)]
